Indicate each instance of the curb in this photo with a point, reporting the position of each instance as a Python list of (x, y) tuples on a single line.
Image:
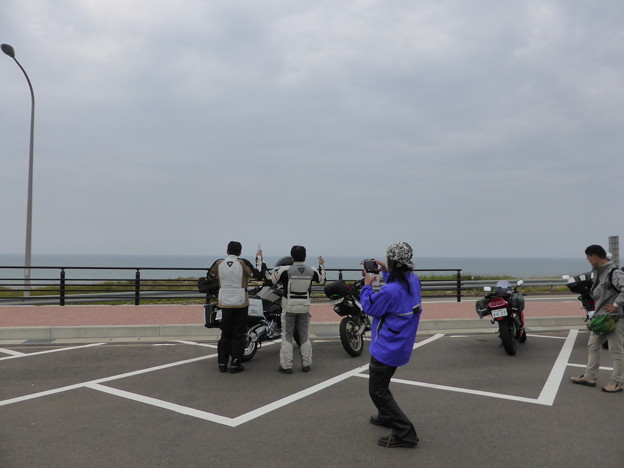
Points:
[(199, 332)]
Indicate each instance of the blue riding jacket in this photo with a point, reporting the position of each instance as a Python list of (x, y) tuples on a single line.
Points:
[(396, 314)]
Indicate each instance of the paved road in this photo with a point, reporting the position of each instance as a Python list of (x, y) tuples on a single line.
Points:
[(165, 404)]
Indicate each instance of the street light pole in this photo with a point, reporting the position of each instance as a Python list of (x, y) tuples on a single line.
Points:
[(8, 50)]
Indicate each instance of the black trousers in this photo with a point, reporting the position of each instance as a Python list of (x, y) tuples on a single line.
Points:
[(232, 341), (387, 409)]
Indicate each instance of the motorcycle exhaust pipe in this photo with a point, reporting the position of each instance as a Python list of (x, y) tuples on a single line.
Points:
[(258, 332)]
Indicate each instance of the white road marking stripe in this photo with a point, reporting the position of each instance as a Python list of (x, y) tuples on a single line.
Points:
[(11, 352), (549, 390), (194, 343), (163, 404), (464, 390), (97, 381), (548, 336), (583, 366), (428, 340), (50, 351), (551, 387)]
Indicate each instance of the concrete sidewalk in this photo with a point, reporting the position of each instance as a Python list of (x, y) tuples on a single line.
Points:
[(159, 322)]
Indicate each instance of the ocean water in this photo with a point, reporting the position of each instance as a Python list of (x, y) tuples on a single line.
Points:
[(170, 266)]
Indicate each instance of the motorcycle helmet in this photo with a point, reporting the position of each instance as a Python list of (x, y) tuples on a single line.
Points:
[(284, 261), (503, 288)]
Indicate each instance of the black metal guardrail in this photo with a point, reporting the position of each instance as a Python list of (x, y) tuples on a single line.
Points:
[(51, 285)]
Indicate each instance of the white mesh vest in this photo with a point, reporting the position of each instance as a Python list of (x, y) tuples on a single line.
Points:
[(231, 292), (298, 295)]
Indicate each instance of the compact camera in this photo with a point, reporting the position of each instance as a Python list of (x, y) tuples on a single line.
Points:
[(370, 266)]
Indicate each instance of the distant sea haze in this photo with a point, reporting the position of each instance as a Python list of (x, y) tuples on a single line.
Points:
[(514, 267)]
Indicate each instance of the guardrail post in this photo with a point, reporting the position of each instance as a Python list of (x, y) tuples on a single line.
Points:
[(137, 287), (458, 285), (62, 288), (339, 274)]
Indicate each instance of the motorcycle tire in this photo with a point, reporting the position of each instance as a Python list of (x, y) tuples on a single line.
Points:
[(507, 330), (351, 341), (250, 346)]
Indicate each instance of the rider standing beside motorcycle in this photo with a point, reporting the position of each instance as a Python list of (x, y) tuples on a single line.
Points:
[(233, 274), (297, 282), (608, 293), (396, 313)]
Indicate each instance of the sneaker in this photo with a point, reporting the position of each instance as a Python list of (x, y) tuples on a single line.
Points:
[(612, 387), (223, 368), (581, 380), (392, 442), (285, 371), (306, 368)]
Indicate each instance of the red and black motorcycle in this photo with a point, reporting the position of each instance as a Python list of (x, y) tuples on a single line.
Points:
[(505, 305)]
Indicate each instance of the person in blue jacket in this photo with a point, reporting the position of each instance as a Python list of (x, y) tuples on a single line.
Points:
[(396, 312)]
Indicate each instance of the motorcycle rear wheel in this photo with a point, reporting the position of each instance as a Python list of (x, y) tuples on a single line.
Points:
[(507, 330), (352, 342), (250, 346)]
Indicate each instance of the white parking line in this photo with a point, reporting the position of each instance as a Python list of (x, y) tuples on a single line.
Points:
[(551, 387), (547, 395), (162, 404), (194, 343), (11, 352), (32, 396), (548, 336), (39, 353), (583, 366)]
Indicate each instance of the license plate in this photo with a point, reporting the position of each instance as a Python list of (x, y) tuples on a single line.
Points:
[(497, 313), (336, 301)]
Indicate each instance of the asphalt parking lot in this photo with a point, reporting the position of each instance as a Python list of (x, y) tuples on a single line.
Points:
[(165, 404)]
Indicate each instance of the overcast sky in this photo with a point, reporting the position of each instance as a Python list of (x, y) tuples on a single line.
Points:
[(466, 128)]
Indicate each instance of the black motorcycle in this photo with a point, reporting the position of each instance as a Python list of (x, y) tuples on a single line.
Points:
[(581, 285), (505, 306), (345, 298)]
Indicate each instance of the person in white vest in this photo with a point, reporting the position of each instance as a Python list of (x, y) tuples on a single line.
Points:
[(233, 274), (297, 282)]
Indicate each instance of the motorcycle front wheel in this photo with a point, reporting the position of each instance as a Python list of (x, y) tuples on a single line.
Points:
[(507, 330), (352, 342)]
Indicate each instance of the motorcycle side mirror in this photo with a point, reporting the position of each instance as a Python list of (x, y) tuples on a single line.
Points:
[(487, 288), (520, 282)]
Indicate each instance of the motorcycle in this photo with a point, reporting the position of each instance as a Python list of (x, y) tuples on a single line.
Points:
[(505, 306), (345, 298), (264, 315), (581, 285)]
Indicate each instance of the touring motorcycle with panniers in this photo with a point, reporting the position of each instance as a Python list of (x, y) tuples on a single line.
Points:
[(505, 306), (264, 315)]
